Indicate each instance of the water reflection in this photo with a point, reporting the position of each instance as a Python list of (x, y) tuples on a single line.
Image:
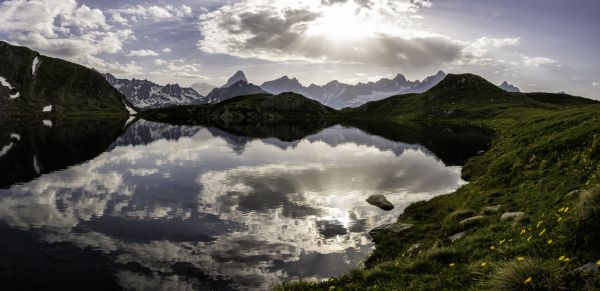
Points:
[(190, 207)]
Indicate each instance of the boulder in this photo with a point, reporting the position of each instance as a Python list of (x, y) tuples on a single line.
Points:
[(396, 227), (456, 236), (470, 219), (494, 208), (413, 250), (590, 267), (512, 215), (381, 202)]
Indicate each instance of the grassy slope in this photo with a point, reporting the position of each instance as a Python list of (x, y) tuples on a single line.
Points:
[(544, 149), (246, 109), (70, 88)]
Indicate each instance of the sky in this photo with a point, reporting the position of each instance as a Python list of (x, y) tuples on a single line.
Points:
[(537, 45)]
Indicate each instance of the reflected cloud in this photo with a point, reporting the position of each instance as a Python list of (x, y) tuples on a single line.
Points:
[(194, 212)]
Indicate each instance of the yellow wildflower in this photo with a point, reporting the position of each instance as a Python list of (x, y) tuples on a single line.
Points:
[(501, 242), (523, 231), (539, 223), (528, 280), (520, 258), (483, 264), (561, 209), (492, 247), (451, 265), (562, 258), (559, 219), (529, 228), (566, 209), (529, 238), (396, 264), (567, 259), (598, 262), (331, 288), (542, 232), (550, 241)]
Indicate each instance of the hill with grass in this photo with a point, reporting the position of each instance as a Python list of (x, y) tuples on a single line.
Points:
[(264, 108), (461, 96), (527, 220), (32, 85)]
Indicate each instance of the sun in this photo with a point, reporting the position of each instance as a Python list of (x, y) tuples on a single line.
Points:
[(342, 23)]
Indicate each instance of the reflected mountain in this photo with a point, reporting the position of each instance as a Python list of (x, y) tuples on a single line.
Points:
[(170, 207), (31, 148)]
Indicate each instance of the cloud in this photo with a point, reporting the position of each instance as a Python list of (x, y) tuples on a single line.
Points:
[(143, 53), (129, 13), (166, 50), (596, 84), (537, 61), (480, 51), (366, 32), (64, 29)]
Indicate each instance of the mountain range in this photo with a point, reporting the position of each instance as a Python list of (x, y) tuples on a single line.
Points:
[(145, 94), (339, 95)]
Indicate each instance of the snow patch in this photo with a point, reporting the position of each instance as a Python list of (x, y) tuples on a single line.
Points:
[(15, 136), (47, 108), (36, 166), (5, 149), (47, 122), (15, 96), (5, 83), (34, 65), (129, 109)]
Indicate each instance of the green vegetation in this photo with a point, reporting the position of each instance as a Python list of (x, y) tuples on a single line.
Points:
[(71, 89), (543, 162), (250, 109)]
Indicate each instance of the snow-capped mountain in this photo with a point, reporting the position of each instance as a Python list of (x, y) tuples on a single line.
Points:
[(509, 87), (239, 87), (339, 95), (145, 94)]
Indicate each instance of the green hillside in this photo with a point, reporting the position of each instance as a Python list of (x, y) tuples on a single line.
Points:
[(41, 81), (461, 96), (247, 109), (528, 219)]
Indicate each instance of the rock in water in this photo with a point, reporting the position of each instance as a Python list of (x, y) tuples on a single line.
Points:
[(381, 202), (396, 227)]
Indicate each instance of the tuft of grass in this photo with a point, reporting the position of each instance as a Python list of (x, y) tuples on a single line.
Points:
[(525, 275)]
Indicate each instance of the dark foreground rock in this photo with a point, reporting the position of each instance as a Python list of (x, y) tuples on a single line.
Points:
[(381, 202), (386, 229)]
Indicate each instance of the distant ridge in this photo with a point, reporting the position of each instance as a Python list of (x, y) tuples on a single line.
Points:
[(509, 87), (339, 95), (145, 94), (236, 86)]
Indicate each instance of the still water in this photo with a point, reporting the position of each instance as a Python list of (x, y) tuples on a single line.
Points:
[(152, 206)]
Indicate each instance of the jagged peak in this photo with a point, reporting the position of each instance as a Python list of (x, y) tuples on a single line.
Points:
[(238, 76), (400, 77)]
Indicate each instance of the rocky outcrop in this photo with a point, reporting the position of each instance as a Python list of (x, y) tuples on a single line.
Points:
[(381, 202), (386, 229)]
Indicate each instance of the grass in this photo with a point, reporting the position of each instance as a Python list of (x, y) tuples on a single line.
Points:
[(539, 155)]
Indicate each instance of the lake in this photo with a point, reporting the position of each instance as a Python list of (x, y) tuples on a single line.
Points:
[(152, 206)]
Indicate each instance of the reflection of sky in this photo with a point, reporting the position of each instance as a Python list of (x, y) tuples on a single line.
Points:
[(254, 211)]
